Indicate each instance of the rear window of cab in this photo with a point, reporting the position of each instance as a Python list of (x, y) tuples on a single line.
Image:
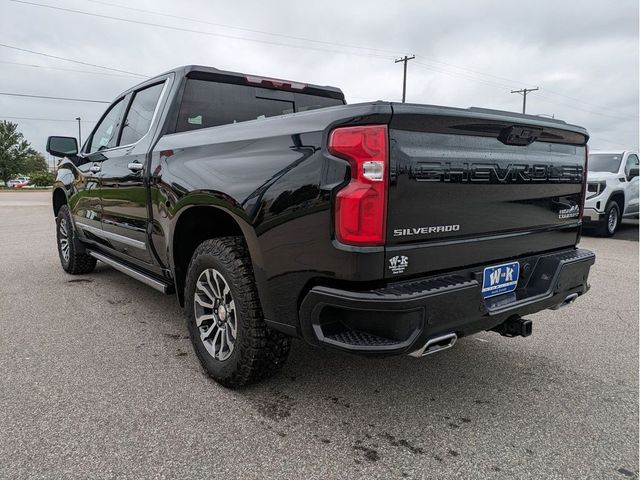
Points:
[(209, 104)]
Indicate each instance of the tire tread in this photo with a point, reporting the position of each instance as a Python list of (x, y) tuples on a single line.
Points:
[(603, 229), (80, 263), (263, 350)]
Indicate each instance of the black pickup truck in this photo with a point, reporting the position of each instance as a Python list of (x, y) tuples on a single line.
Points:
[(274, 210)]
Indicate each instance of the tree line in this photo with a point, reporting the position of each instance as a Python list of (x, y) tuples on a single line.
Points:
[(18, 157)]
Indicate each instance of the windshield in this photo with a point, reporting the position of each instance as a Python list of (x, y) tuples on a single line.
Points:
[(600, 162)]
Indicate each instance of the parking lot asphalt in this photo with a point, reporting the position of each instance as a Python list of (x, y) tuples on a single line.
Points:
[(98, 380)]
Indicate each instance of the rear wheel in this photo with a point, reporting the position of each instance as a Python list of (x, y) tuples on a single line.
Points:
[(226, 325), (74, 259), (611, 220)]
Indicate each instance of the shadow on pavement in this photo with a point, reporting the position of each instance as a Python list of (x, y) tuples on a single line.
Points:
[(628, 230)]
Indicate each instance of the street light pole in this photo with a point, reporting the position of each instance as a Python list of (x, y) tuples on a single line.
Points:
[(79, 132)]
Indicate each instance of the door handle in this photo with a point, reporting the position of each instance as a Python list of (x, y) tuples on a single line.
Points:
[(135, 166), (95, 168)]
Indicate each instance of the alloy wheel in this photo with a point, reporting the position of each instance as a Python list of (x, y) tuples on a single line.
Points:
[(215, 314), (63, 239), (612, 221)]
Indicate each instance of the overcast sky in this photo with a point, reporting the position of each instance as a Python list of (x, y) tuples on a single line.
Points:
[(582, 54)]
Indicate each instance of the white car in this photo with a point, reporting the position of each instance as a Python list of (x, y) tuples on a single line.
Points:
[(612, 190), (18, 182)]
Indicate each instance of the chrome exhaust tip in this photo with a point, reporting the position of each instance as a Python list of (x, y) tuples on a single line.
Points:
[(436, 344), (567, 301)]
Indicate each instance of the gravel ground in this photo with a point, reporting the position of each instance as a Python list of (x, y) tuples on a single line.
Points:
[(98, 380)]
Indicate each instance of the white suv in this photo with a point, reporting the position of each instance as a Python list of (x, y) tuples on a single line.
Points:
[(612, 190)]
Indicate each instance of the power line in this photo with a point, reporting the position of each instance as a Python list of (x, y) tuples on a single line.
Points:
[(305, 39), (461, 75), (497, 77), (502, 86), (47, 67), (311, 40), (69, 59), (170, 27), (336, 44), (476, 72), (292, 37), (430, 67), (556, 94), (488, 82), (556, 102), (201, 32), (53, 98), (243, 29)]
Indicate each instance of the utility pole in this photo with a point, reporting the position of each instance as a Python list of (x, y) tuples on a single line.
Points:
[(524, 93), (404, 60), (79, 132)]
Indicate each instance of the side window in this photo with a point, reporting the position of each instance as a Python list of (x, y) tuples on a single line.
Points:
[(106, 133), (632, 161), (140, 114)]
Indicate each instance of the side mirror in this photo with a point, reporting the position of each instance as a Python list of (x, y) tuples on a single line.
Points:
[(633, 172), (62, 146)]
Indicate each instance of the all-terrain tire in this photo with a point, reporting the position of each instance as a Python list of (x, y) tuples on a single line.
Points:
[(611, 222), (73, 258), (258, 351)]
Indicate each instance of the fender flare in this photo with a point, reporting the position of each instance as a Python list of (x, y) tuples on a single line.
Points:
[(624, 199), (211, 200), (224, 204)]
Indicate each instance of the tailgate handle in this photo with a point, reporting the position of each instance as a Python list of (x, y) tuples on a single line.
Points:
[(521, 136)]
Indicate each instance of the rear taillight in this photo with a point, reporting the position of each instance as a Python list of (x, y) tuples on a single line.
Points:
[(361, 206)]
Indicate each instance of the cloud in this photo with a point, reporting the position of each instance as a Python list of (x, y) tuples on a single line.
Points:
[(584, 57)]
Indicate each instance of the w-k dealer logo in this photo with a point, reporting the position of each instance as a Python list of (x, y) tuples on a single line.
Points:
[(398, 264), (496, 275)]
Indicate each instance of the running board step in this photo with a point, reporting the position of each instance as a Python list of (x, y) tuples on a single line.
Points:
[(159, 285)]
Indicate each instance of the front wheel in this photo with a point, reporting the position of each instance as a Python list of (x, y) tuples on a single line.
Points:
[(226, 325), (611, 220), (73, 258)]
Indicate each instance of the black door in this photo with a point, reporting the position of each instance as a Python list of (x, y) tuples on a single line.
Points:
[(123, 189), (85, 204)]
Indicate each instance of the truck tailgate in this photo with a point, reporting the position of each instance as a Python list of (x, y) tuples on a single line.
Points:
[(473, 186)]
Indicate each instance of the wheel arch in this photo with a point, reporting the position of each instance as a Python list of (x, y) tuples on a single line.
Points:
[(618, 197), (198, 222), (59, 198)]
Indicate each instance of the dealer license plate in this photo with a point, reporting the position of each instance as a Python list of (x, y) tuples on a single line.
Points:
[(500, 279)]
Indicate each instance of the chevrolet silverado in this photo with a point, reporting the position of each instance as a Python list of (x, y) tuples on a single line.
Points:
[(274, 210)]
